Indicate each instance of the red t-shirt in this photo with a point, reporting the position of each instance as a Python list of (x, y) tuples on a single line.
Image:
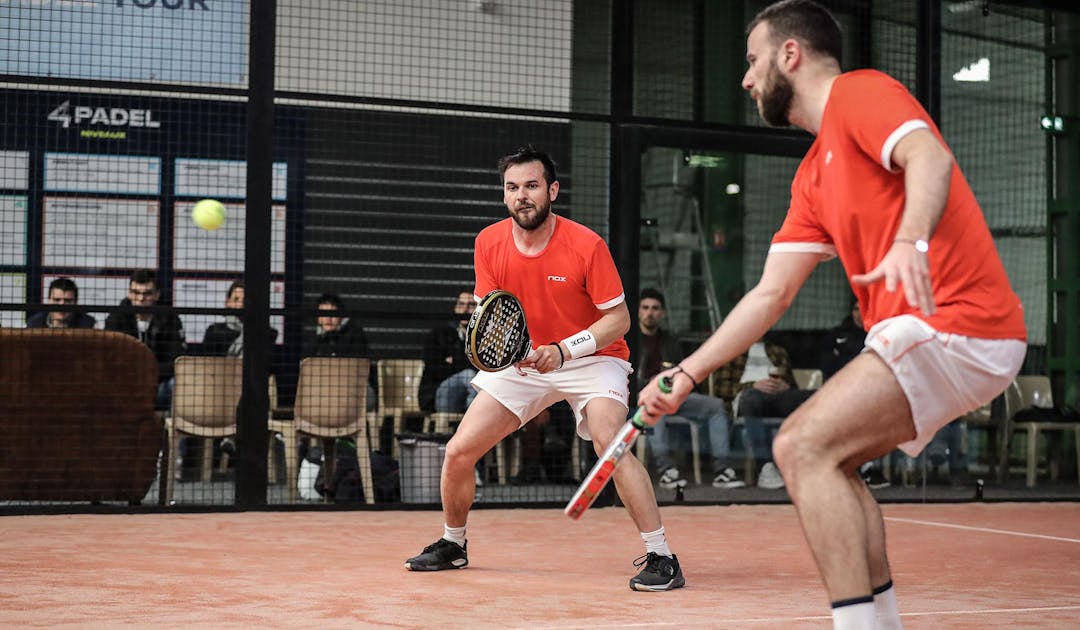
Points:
[(562, 289), (847, 200)]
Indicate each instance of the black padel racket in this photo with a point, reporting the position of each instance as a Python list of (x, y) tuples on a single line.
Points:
[(497, 336)]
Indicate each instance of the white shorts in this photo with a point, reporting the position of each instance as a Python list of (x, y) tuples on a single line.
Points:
[(943, 375), (577, 382)]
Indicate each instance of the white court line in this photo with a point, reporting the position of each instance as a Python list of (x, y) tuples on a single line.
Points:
[(986, 530), (780, 621), (990, 611)]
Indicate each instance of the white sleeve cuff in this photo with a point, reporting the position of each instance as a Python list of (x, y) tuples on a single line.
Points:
[(895, 137)]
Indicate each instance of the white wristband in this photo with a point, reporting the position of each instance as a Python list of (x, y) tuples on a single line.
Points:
[(580, 344)]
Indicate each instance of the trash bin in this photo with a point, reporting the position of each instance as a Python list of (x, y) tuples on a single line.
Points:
[(421, 465)]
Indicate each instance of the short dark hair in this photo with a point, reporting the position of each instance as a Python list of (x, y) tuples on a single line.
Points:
[(67, 285), (806, 21), (237, 284), (332, 299), (649, 293), (526, 154), (144, 276)]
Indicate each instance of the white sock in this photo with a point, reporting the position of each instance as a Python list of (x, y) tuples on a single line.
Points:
[(454, 534), (656, 542), (888, 613), (853, 614)]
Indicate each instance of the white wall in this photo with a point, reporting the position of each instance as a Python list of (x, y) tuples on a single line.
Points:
[(506, 53)]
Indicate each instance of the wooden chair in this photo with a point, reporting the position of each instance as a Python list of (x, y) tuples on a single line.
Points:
[(399, 392), (1035, 391), (331, 402)]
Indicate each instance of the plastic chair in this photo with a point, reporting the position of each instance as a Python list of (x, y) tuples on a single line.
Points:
[(399, 392), (204, 403), (994, 417), (1035, 391), (331, 403), (808, 378)]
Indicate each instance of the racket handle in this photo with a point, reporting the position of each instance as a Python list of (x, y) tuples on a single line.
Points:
[(665, 386), (605, 466)]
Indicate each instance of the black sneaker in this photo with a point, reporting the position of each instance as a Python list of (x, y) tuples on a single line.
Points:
[(661, 573), (670, 478), (440, 555), (728, 479)]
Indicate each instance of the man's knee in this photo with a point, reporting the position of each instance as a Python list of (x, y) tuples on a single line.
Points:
[(460, 454), (783, 449)]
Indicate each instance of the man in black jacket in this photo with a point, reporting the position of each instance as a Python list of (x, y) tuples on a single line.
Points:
[(162, 332), (227, 338), (335, 335), (444, 385), (61, 291), (338, 336)]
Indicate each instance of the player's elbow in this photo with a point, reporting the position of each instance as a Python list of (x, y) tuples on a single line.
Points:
[(939, 158), (774, 298)]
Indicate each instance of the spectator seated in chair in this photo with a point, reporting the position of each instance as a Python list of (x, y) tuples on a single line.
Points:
[(761, 385), (660, 350)]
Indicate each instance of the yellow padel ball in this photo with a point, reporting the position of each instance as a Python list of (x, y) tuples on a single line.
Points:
[(209, 214)]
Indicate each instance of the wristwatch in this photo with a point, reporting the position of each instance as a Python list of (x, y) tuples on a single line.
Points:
[(920, 245)]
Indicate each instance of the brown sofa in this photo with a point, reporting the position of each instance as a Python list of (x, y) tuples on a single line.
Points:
[(77, 418)]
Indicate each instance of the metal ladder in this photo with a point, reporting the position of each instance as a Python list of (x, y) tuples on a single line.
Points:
[(686, 233)]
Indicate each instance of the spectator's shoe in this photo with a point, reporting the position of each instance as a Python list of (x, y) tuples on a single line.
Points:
[(476, 477), (440, 555), (670, 478), (769, 478), (728, 478), (875, 479), (661, 573)]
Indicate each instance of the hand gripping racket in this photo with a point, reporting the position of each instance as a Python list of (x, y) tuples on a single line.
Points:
[(497, 335), (601, 472)]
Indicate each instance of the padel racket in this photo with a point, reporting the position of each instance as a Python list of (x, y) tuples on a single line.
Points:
[(497, 335), (601, 472)]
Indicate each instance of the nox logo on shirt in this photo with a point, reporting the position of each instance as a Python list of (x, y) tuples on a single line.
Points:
[(557, 278)]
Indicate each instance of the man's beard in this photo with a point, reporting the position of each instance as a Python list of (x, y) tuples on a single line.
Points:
[(537, 219), (775, 103)]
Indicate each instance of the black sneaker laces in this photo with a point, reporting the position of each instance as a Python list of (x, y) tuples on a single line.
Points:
[(651, 561)]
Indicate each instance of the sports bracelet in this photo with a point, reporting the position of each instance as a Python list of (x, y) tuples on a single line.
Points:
[(562, 357), (679, 370), (580, 344)]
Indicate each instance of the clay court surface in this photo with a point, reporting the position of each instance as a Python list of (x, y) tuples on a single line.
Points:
[(1008, 565)]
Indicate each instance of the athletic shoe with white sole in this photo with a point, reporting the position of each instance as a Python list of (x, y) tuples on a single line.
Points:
[(769, 477), (728, 479), (661, 573), (438, 556), (670, 478)]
